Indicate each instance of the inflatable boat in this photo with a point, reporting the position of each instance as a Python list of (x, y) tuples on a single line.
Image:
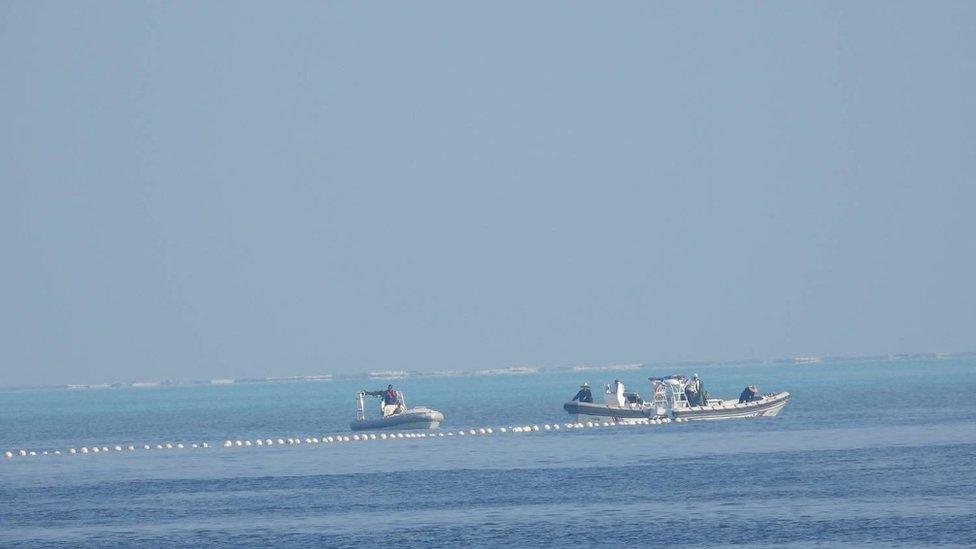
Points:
[(395, 415), (677, 397)]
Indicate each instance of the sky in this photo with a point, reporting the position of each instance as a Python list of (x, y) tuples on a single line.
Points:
[(245, 189)]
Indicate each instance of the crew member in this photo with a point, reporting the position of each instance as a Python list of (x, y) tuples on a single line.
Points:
[(692, 391), (584, 394), (390, 396), (748, 394), (391, 401)]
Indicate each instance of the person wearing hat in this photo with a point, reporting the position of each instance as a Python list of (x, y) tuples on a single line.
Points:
[(584, 394), (748, 394)]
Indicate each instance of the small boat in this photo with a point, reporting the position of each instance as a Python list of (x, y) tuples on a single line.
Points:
[(618, 405), (673, 400), (395, 416)]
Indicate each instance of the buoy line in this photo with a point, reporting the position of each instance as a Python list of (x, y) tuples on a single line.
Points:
[(335, 439)]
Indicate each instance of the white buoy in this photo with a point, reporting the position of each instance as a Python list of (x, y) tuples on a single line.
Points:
[(461, 433), (315, 440), (33, 453), (8, 454), (194, 445), (96, 449), (502, 429), (281, 441), (44, 453), (57, 452), (247, 443), (482, 431), (547, 427), (450, 433), (535, 427), (355, 437), (118, 448), (298, 441), (268, 442), (205, 445), (71, 450), (472, 432), (84, 450), (383, 436), (604, 424), (440, 434), (130, 448), (555, 426), (372, 437), (488, 430), (180, 445), (228, 444), (145, 446), (159, 446)]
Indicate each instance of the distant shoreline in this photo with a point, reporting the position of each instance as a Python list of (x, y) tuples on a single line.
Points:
[(515, 370)]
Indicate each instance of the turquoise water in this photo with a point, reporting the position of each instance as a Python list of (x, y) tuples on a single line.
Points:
[(865, 453)]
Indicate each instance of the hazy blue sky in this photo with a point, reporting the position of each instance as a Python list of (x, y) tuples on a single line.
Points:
[(227, 189)]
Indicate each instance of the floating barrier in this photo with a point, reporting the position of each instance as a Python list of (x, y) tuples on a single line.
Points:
[(329, 439)]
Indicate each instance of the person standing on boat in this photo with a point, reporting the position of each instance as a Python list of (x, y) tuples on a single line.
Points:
[(390, 396), (693, 391), (584, 394), (391, 401)]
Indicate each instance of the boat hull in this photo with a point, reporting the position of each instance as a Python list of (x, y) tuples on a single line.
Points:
[(410, 419), (767, 406), (589, 410)]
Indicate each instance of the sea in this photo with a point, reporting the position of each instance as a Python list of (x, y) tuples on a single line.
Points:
[(867, 453)]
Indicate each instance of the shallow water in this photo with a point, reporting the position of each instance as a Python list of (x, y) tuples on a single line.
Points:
[(865, 453)]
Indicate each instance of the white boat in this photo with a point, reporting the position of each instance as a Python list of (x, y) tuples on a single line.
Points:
[(394, 416), (671, 397), (671, 400)]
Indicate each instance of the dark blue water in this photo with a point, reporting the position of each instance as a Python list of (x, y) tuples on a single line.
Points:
[(865, 454)]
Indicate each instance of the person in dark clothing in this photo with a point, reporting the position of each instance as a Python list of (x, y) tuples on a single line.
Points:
[(584, 394), (748, 394), (693, 391), (390, 396)]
